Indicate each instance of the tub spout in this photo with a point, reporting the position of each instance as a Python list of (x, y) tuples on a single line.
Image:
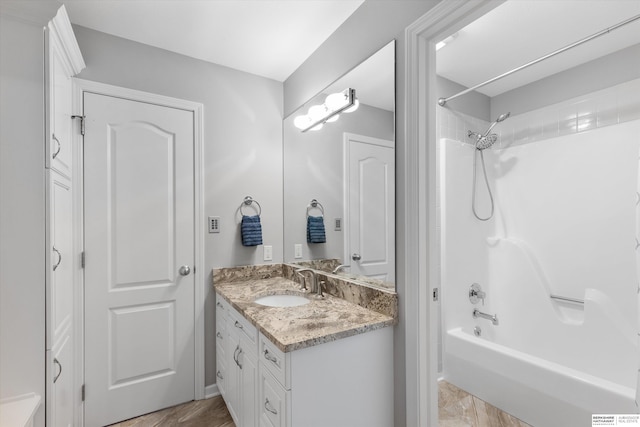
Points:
[(477, 313)]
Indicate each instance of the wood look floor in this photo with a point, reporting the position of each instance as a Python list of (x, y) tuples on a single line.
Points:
[(457, 408), (199, 413)]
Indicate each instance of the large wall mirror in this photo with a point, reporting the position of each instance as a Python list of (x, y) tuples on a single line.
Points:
[(342, 175)]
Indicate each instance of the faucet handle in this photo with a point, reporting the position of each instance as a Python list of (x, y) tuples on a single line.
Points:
[(476, 293), (319, 294), (303, 283)]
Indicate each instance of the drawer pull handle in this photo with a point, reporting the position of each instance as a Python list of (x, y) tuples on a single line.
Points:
[(270, 358), (59, 258), (219, 335), (219, 375), (59, 372), (269, 407), (53, 135), (238, 325), (236, 356)]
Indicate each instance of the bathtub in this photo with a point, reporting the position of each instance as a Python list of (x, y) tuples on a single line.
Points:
[(539, 392)]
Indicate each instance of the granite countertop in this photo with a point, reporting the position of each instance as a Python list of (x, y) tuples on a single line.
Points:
[(295, 328)]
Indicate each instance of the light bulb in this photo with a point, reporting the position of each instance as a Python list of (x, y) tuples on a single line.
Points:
[(317, 112), (354, 107), (332, 118), (335, 101), (301, 122)]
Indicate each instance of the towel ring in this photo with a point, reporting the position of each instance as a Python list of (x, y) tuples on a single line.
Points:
[(248, 200), (315, 204)]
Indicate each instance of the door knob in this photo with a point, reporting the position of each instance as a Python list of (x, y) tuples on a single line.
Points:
[(184, 270), (356, 257)]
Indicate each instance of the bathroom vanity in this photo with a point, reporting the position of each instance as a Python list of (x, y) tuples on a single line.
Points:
[(327, 362)]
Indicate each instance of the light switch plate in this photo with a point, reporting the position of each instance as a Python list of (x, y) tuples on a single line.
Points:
[(297, 251), (338, 224), (268, 253), (214, 224)]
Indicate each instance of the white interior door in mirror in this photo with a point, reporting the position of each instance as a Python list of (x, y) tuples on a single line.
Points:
[(370, 204), (139, 231)]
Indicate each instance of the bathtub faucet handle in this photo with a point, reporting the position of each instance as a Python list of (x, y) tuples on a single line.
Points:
[(476, 293)]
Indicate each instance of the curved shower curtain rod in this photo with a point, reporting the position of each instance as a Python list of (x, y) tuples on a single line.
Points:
[(443, 101)]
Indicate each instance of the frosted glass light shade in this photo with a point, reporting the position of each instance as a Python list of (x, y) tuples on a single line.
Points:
[(336, 101), (317, 112), (301, 122)]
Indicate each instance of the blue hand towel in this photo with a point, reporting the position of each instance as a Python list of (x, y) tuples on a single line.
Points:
[(251, 230), (315, 229)]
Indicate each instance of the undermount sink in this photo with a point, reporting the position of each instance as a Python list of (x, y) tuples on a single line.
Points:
[(282, 301)]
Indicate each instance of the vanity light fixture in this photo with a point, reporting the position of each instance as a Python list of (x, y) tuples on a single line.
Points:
[(334, 104)]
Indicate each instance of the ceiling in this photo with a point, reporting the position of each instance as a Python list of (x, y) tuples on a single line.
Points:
[(269, 38), (520, 31)]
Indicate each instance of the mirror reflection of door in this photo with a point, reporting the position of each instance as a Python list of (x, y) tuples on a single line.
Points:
[(369, 205)]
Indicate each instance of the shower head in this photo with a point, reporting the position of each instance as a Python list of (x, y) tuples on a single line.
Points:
[(483, 141), (503, 117), (486, 140)]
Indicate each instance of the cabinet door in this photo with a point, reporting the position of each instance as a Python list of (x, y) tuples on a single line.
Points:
[(232, 397), (59, 256), (248, 386), (59, 156), (60, 382)]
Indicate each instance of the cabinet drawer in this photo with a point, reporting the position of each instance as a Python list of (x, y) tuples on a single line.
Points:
[(274, 401), (275, 361), (245, 330)]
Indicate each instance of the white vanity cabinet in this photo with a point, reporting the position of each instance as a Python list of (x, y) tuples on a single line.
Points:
[(343, 383), (237, 363)]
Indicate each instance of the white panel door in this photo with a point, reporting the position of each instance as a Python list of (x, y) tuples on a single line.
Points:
[(139, 243), (371, 207)]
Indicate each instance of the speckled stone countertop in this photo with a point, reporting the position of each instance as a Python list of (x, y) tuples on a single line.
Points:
[(294, 328)]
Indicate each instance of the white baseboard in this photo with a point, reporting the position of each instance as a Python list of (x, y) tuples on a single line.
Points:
[(211, 391)]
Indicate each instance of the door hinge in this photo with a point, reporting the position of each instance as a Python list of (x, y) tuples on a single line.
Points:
[(436, 294), (82, 391), (81, 122), (82, 259)]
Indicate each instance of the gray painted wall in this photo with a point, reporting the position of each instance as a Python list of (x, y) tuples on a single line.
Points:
[(372, 26), (313, 169), (612, 69), (242, 142), (474, 104)]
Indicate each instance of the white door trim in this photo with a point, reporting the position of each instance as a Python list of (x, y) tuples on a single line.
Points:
[(419, 203), (81, 86)]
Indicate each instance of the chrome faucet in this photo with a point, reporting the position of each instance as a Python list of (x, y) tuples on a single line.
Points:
[(340, 267), (315, 285), (303, 285), (477, 313)]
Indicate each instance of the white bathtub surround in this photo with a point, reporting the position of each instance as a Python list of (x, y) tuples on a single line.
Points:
[(565, 225), (19, 411)]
